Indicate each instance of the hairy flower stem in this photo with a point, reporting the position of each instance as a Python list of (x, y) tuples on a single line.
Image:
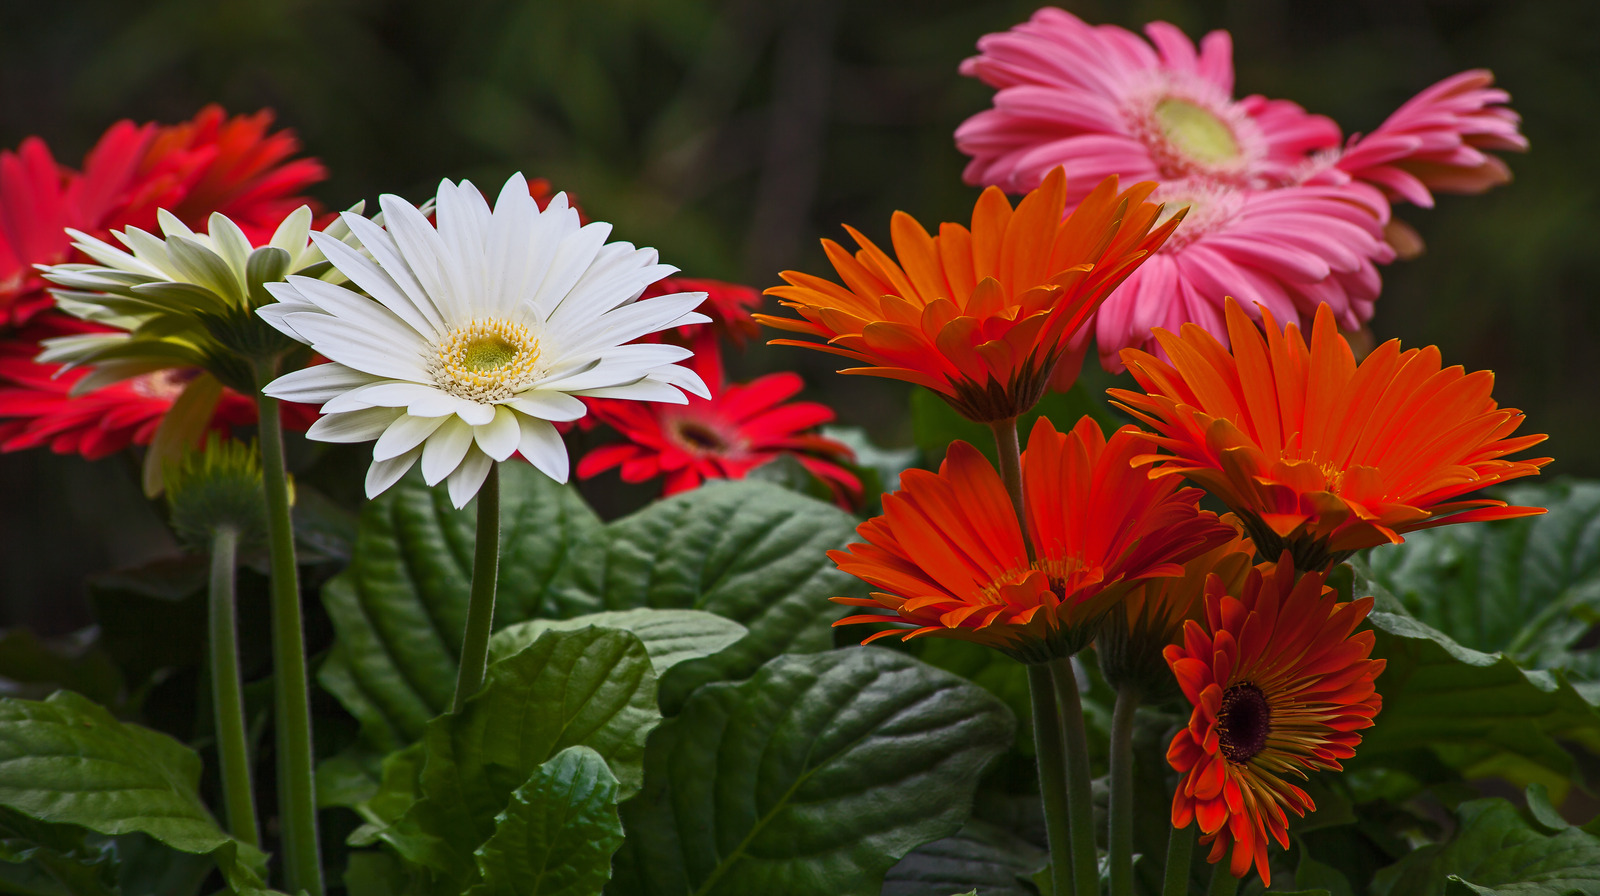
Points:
[(292, 696), (1080, 805), (1223, 883), (1120, 834), (227, 699), (480, 609), (1048, 747), (1064, 753), (1180, 846)]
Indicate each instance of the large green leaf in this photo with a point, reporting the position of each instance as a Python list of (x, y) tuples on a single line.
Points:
[(814, 776), (1529, 587), (67, 761), (592, 687), (1497, 852), (558, 833), (1478, 713), (748, 551), (399, 610), (981, 855), (669, 636)]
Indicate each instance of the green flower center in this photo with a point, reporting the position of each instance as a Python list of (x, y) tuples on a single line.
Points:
[(488, 352), (1198, 133), (486, 360)]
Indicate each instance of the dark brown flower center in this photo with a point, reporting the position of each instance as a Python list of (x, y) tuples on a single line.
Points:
[(1243, 722), (700, 437)]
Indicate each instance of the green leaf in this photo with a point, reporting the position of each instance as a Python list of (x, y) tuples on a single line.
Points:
[(669, 636), (53, 858), (557, 835), (68, 761), (399, 610), (980, 855), (1478, 713), (593, 687), (999, 674), (748, 551), (1496, 852), (1529, 587), (816, 775)]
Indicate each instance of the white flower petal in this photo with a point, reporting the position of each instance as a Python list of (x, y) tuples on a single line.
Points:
[(468, 478), (354, 347), (405, 434), (645, 389), (542, 446), (572, 258), (443, 450), (382, 394), (381, 246), (424, 255), (356, 426), (683, 378), (548, 404), (362, 313), (363, 272), (317, 384), (499, 437), (385, 473)]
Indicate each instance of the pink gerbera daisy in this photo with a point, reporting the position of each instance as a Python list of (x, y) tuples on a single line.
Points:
[(1288, 249), (1099, 100), (1436, 141)]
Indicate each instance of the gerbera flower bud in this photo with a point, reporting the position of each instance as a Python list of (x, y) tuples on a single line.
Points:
[(1320, 456), (217, 487), (980, 316), (1280, 682), (950, 555), (1151, 617)]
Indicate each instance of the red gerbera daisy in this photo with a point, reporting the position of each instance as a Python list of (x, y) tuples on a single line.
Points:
[(740, 427), (38, 409), (951, 559), (1315, 453), (1280, 685)]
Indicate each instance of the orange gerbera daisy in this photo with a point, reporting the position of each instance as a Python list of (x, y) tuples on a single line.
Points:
[(1319, 455), (951, 559), (980, 316), (1279, 685), (1152, 615)]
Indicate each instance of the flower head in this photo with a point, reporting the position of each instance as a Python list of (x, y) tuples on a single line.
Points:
[(210, 164), (1438, 141), (951, 559), (1315, 453), (738, 428), (479, 331), (1151, 616), (981, 316), (1288, 250), (1280, 682), (1102, 101), (217, 487)]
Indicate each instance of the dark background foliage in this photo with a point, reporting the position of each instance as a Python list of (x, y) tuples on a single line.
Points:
[(731, 135)]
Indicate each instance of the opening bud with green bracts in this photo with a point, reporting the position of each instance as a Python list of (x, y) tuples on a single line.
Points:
[(217, 487)]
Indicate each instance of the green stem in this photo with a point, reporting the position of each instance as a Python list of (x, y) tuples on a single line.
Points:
[(1223, 883), (1048, 749), (1010, 453), (480, 609), (1080, 806), (297, 805), (1180, 847), (1120, 834), (227, 699)]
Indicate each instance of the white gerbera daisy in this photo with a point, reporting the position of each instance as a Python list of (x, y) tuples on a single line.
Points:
[(479, 332)]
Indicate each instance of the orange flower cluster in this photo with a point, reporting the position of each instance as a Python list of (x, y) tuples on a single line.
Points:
[(982, 316)]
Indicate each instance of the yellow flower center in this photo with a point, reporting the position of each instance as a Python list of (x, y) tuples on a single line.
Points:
[(1198, 133), (486, 360)]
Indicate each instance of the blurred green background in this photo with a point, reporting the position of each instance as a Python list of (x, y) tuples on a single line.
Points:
[(731, 135)]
